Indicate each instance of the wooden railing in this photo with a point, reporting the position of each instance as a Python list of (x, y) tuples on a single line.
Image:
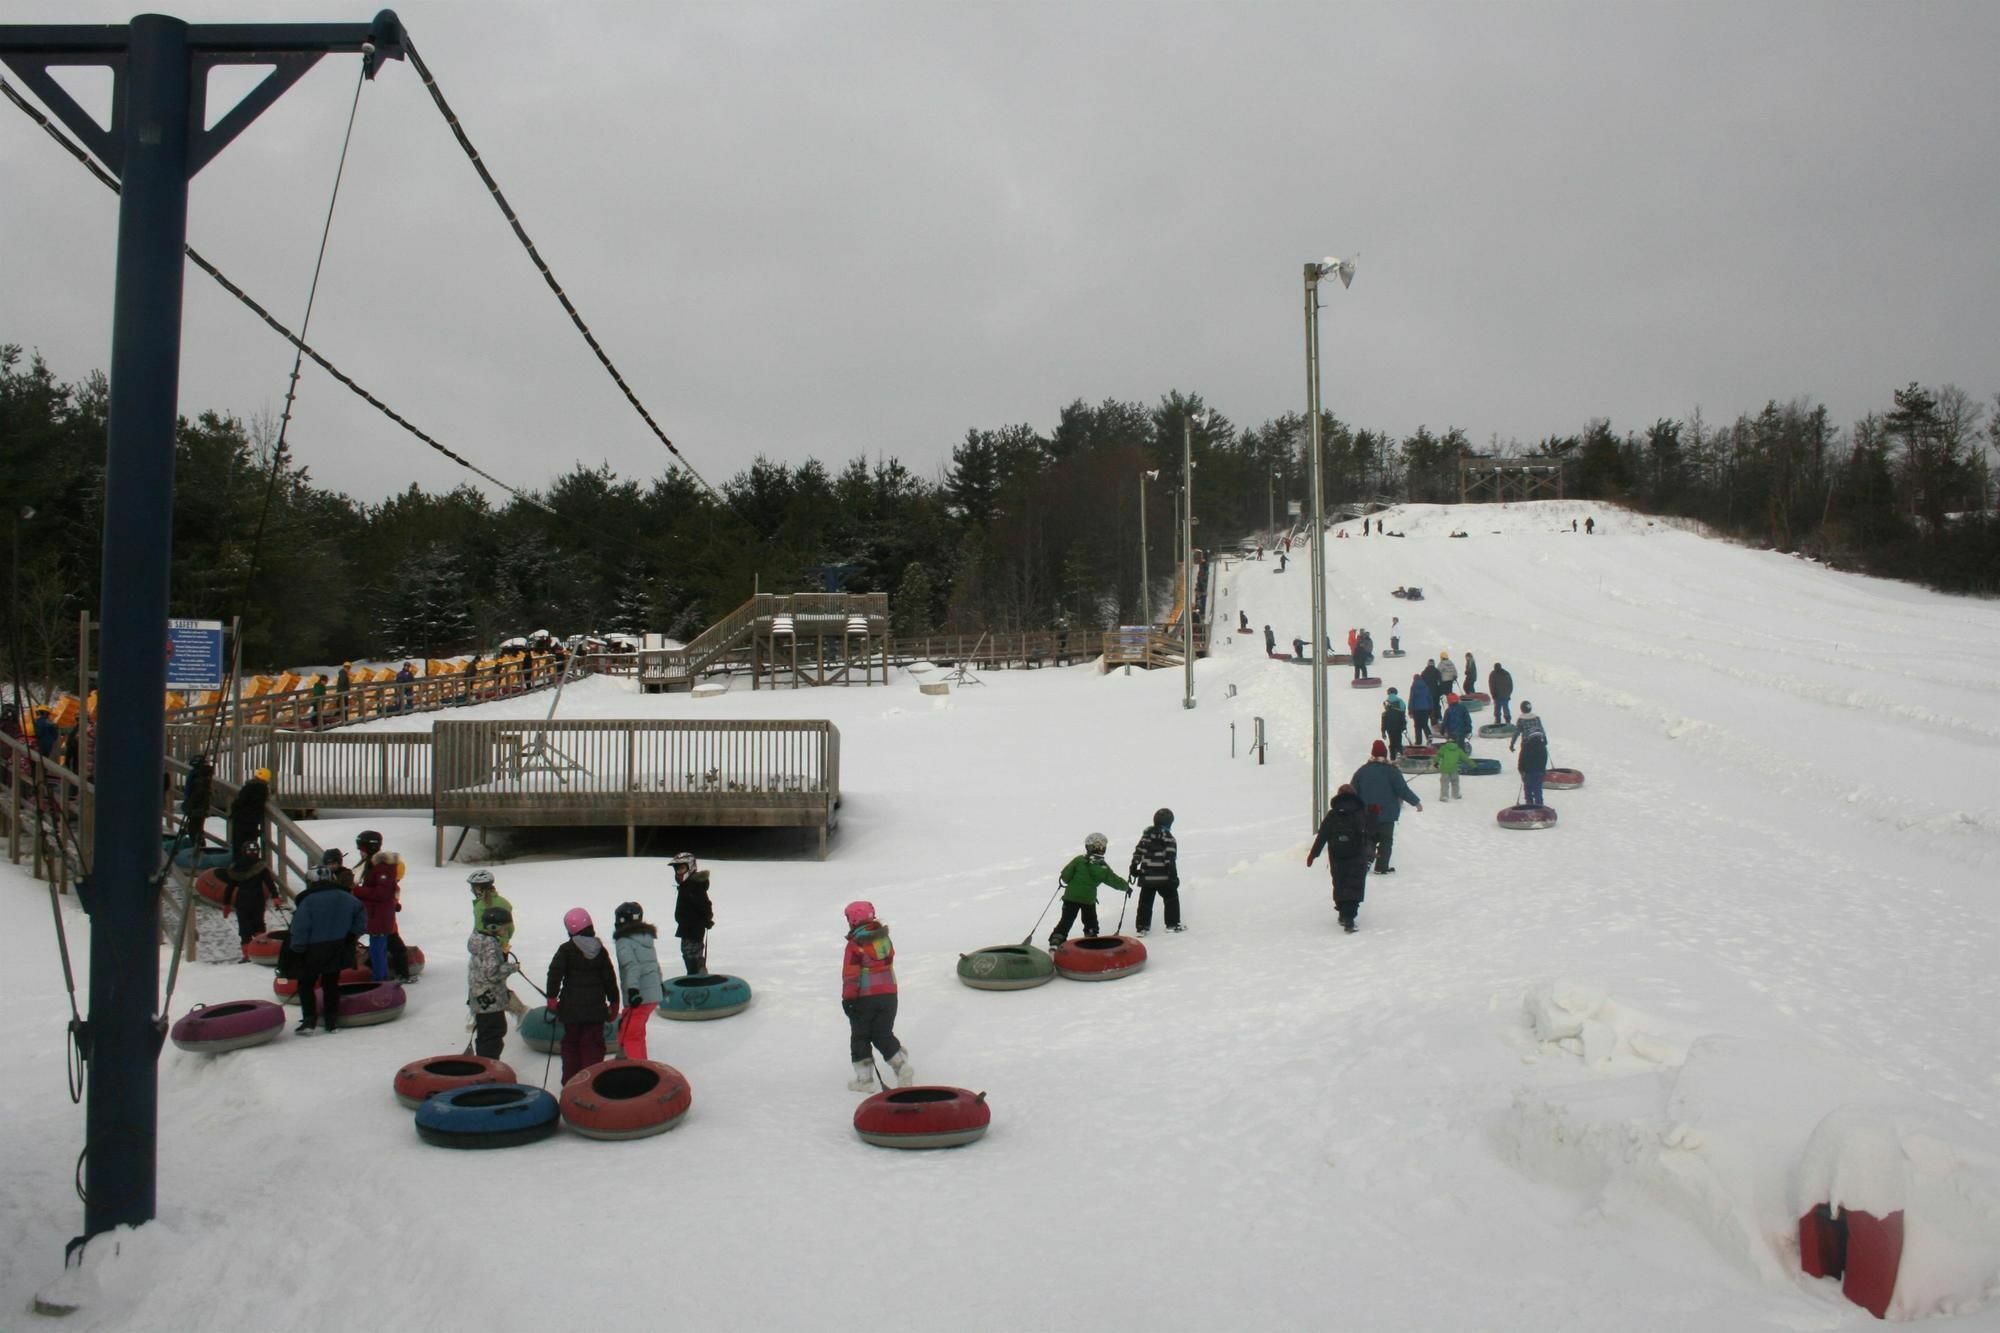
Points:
[(648, 772), (733, 632), (373, 770), (296, 709)]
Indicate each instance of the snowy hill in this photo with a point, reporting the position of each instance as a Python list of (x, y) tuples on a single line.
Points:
[(1562, 1080)]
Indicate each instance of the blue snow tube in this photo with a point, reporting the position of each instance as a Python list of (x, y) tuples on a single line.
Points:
[(692, 999), (487, 1115), (210, 858), (543, 1031), (1482, 768)]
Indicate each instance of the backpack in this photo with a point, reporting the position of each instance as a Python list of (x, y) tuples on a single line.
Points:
[(1392, 718), (1350, 840)]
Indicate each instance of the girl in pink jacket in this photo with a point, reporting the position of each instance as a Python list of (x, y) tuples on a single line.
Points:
[(868, 998)]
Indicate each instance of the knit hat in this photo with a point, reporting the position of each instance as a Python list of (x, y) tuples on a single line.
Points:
[(1379, 750), (859, 911), (576, 921)]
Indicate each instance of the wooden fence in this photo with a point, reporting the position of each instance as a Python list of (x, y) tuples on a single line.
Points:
[(369, 770), (651, 772)]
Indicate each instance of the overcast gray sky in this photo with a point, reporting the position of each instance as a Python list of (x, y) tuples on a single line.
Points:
[(826, 229)]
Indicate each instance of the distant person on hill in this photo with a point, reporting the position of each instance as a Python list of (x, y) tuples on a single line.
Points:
[(1156, 869), (1500, 685), (1385, 793), (1395, 638), (1364, 653), (694, 914), (1080, 881), (1270, 642), (1447, 672), (639, 974), (486, 974), (342, 683), (582, 992), (1572, 525), (1451, 757), (1589, 526), (1458, 721), (868, 998), (1471, 676), (1534, 742), (196, 795), (1394, 719), (1347, 833), (1352, 635), (1281, 560), (1243, 621), (1420, 709), (1299, 649), (318, 695)]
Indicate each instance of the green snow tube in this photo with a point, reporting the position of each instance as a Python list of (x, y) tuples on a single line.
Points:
[(1006, 967), (543, 1031)]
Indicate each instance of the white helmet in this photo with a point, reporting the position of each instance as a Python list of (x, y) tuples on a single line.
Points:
[(1096, 843), (480, 879)]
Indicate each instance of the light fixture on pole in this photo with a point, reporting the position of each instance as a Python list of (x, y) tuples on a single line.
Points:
[(1145, 588), (1344, 270), (1187, 554)]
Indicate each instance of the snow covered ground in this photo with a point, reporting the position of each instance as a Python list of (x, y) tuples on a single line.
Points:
[(1562, 1080)]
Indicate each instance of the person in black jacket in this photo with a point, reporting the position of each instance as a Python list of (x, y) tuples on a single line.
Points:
[(1156, 870), (694, 914), (247, 887), (583, 993), (196, 795), (1348, 836), (246, 812), (327, 920)]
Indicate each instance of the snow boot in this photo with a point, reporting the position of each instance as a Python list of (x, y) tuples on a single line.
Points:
[(900, 1062), (1347, 926), (1142, 934), (1177, 929), (305, 1029), (864, 1077)]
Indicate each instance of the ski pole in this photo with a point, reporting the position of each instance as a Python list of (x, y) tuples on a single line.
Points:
[(1121, 913), (1045, 911)]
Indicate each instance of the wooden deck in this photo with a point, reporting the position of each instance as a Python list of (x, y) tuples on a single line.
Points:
[(653, 772)]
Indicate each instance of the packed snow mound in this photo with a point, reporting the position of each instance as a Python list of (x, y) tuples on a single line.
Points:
[(1580, 1017)]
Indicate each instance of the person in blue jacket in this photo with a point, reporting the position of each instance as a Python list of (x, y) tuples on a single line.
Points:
[(1420, 710), (1458, 722), (1382, 789), (327, 920)]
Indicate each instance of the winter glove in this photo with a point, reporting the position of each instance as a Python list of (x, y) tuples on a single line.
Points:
[(631, 999)]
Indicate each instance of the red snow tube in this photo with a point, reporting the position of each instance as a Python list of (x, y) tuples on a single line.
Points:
[(923, 1117), (1104, 958), (626, 1099), (208, 886), (208, 1029), (1476, 700), (1420, 751), (1365, 683), (266, 947), (420, 1080), (1563, 778), (288, 990), (1526, 817)]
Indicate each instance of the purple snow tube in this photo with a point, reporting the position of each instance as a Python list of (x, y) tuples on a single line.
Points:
[(365, 1003), (1526, 817), (209, 1029)]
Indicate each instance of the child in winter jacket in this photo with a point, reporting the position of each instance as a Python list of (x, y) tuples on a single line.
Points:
[(486, 982), (868, 998), (1347, 835), (1156, 870), (1451, 757), (1394, 720), (639, 974), (247, 886), (583, 993), (485, 896), (1533, 739), (379, 870), (694, 914), (1080, 880)]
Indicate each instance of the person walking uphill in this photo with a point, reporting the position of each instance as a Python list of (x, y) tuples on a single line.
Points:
[(1458, 722), (1385, 793), (1420, 709), (1364, 653), (1393, 721), (1451, 757), (694, 914), (1348, 836), (1080, 881), (639, 974), (486, 974), (1156, 870), (1447, 674), (1533, 739), (326, 922), (246, 811), (1471, 677), (1500, 685), (868, 998), (247, 887), (582, 992)]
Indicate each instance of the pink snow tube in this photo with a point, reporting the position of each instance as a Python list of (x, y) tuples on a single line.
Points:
[(1526, 817), (266, 947), (1563, 779), (287, 989), (366, 1003), (208, 1029), (1365, 683)]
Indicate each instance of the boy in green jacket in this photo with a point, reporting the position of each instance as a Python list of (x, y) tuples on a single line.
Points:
[(1451, 757), (1080, 879)]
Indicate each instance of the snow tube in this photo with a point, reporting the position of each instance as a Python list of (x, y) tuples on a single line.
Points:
[(209, 1029), (1502, 731), (208, 859), (923, 1117), (287, 989), (365, 1003), (1420, 751), (420, 1080), (1481, 768), (543, 1031), (208, 887), (1526, 817), (625, 1099), (1410, 763), (1340, 659), (1006, 967), (1395, 652), (1475, 703), (692, 999), (1102, 958), (1365, 683), (266, 947), (1563, 779), (487, 1115)]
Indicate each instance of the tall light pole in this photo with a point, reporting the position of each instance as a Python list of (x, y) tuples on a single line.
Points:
[(1344, 270), (1145, 585), (1187, 554)]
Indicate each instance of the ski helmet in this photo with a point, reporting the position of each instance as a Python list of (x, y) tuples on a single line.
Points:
[(263, 775), (480, 879), (1163, 818), (576, 921), (332, 856), (1096, 843), (369, 841), (683, 864), (628, 912), (495, 917), (859, 911)]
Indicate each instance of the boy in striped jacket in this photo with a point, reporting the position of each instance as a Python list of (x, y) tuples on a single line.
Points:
[(1156, 870)]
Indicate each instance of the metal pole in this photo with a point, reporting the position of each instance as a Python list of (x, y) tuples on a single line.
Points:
[(1270, 501), (124, 1039), (1315, 552), (1187, 560), (1145, 589)]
